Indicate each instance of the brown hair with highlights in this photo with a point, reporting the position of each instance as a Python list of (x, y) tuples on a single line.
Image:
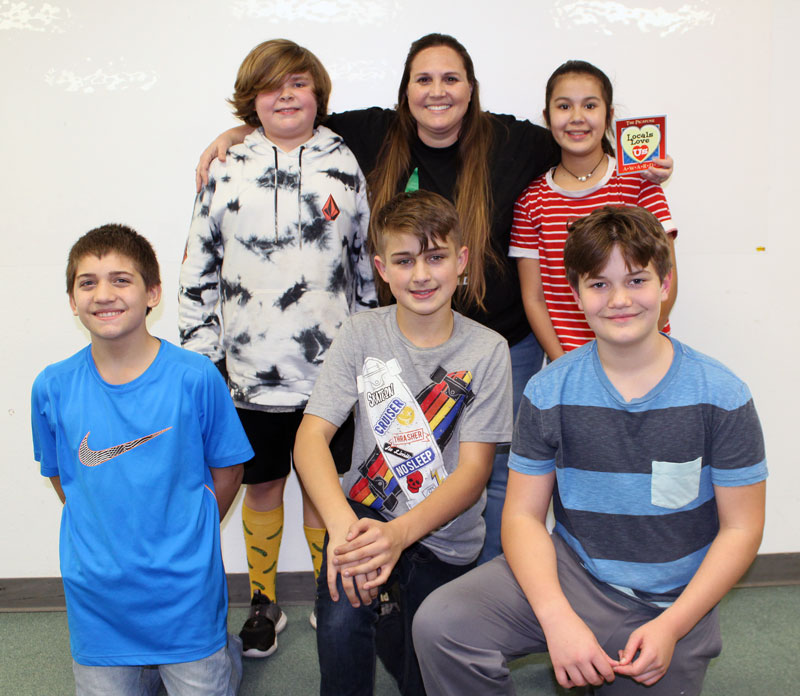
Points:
[(637, 232), (472, 195), (115, 239), (266, 68), (426, 215)]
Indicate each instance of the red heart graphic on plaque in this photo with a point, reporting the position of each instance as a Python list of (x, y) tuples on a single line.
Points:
[(640, 143)]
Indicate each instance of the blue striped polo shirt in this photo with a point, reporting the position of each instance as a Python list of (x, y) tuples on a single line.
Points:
[(634, 490)]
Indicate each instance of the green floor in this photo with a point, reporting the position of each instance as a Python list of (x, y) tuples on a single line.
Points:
[(760, 657)]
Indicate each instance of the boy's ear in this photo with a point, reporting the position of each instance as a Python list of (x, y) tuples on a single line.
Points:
[(381, 266), (72, 305), (463, 257), (666, 284), (577, 298), (153, 296)]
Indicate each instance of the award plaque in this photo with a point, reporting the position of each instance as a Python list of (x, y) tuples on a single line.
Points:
[(639, 141)]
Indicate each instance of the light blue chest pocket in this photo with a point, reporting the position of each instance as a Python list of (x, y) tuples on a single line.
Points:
[(675, 484)]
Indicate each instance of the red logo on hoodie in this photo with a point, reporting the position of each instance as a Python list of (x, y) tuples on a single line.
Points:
[(330, 210)]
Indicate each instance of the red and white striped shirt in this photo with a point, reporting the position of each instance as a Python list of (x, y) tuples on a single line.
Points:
[(541, 216)]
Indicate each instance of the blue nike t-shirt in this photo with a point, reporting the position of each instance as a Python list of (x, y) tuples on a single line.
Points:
[(139, 546)]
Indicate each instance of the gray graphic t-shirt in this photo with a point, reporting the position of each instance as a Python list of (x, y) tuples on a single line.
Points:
[(413, 407)]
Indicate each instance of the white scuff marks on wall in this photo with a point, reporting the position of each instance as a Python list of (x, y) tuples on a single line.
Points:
[(28, 17), (105, 79), (609, 16), (371, 71), (352, 11)]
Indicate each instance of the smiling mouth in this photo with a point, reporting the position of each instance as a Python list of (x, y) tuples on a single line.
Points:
[(108, 314), (438, 107), (423, 294)]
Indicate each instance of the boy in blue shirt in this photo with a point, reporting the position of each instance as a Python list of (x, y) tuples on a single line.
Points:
[(143, 446), (653, 457)]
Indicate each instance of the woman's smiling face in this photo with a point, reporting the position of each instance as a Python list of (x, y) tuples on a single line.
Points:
[(438, 94)]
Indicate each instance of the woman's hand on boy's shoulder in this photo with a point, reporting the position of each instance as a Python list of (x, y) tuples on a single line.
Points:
[(218, 150)]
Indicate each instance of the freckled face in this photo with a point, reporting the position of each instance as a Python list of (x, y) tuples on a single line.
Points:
[(438, 95)]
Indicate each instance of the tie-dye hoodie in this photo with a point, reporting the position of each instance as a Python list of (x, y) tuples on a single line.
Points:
[(276, 259)]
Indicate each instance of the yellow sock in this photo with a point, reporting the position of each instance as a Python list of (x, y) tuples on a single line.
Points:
[(262, 539), (315, 539)]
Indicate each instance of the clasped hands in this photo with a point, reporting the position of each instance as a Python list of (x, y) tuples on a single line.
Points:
[(364, 554)]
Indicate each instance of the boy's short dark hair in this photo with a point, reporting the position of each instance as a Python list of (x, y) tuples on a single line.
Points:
[(118, 239), (426, 215), (264, 70), (637, 232)]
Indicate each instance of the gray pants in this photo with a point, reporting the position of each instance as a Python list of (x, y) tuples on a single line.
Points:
[(465, 631)]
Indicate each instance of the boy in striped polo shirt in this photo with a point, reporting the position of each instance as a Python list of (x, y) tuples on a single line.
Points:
[(653, 457)]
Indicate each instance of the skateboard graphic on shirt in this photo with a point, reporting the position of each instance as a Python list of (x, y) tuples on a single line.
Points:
[(410, 432)]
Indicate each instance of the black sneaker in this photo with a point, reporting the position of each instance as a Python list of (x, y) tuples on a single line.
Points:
[(259, 633)]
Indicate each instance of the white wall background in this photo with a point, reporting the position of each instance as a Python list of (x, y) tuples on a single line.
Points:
[(106, 106)]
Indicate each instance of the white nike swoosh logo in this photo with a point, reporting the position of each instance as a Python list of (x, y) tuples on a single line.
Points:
[(89, 457)]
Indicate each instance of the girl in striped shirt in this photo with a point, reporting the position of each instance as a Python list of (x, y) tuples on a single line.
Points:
[(579, 112)]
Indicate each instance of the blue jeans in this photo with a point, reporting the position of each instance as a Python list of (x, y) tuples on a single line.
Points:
[(349, 638), (527, 357), (219, 674)]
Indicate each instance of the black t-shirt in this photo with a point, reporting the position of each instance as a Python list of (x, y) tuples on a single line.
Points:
[(520, 152)]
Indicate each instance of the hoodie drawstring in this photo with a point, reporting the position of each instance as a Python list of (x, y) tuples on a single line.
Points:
[(275, 207), (299, 194)]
